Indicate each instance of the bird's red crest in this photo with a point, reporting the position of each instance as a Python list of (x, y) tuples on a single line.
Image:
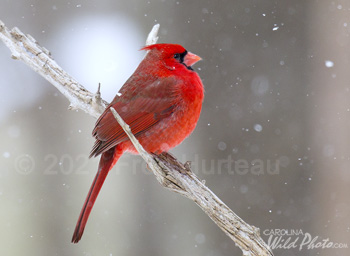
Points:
[(176, 48), (161, 102)]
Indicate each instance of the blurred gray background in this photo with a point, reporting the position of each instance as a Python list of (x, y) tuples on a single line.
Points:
[(277, 82)]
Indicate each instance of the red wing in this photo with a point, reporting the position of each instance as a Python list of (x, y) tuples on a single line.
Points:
[(142, 111)]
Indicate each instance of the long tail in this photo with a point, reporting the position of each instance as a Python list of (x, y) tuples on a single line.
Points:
[(107, 161)]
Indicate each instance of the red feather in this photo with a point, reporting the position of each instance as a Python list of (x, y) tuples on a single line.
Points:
[(161, 102)]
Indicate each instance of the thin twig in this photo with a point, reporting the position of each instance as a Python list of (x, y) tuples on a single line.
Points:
[(168, 170)]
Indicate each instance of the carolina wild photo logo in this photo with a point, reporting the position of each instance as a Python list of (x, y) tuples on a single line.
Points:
[(296, 238)]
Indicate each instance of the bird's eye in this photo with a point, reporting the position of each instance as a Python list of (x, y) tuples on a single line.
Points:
[(177, 56)]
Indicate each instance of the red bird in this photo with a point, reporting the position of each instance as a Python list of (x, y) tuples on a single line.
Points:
[(161, 102)]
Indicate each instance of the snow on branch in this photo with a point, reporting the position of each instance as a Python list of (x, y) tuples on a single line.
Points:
[(168, 170)]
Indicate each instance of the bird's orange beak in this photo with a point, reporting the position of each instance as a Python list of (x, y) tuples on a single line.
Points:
[(191, 59)]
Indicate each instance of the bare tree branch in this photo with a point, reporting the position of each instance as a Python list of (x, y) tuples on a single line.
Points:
[(153, 35), (168, 170), (179, 178), (26, 48)]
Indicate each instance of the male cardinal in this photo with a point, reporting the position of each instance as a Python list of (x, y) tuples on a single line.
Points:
[(161, 103)]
